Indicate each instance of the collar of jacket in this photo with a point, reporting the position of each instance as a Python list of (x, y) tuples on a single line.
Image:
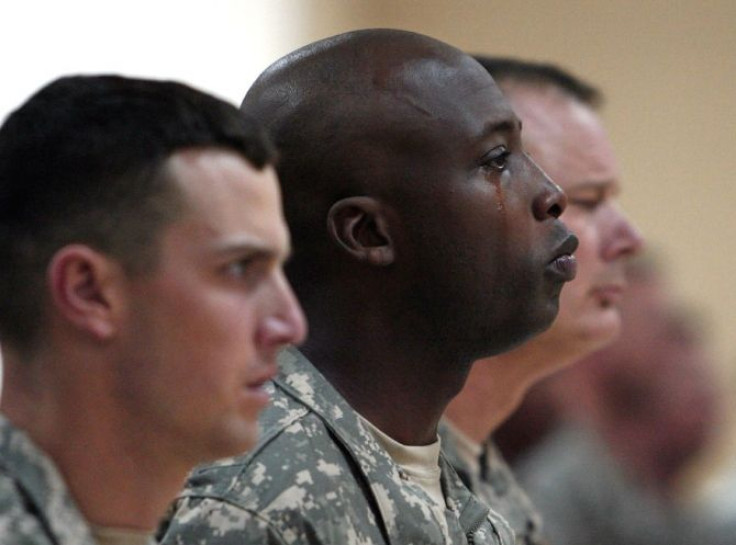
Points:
[(301, 380), (42, 487)]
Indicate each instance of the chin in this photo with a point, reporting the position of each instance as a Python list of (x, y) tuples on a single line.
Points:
[(531, 328), (600, 331), (545, 319), (233, 444)]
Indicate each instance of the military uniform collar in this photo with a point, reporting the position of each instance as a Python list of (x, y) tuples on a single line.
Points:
[(43, 487), (300, 379)]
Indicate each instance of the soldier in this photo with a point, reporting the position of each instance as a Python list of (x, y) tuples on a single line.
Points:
[(424, 238), (563, 132), (142, 239)]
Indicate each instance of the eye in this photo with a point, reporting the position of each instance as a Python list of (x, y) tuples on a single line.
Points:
[(241, 268), (585, 204), (590, 197), (496, 160)]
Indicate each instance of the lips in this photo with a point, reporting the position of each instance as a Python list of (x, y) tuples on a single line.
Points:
[(255, 392), (266, 374), (564, 266), (609, 295), (258, 381)]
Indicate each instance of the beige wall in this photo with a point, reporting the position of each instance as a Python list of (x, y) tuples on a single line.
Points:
[(669, 72)]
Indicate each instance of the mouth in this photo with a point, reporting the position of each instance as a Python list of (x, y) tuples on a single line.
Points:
[(609, 295), (257, 383), (564, 265), (255, 394)]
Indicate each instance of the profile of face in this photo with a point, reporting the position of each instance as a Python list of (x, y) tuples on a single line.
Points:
[(203, 329), (481, 221), (567, 140)]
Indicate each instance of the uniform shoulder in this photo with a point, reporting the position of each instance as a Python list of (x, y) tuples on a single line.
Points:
[(215, 522), (18, 525), (300, 480), (303, 453)]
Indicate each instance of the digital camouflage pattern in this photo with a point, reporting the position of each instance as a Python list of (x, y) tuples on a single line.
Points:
[(496, 485), (318, 476), (35, 505)]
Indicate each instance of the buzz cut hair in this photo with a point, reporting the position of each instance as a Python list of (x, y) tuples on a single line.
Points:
[(84, 160), (541, 74)]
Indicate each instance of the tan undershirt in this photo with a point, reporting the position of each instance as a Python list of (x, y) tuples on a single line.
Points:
[(121, 536), (419, 463)]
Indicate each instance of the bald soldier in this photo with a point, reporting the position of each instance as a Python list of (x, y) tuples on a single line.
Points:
[(424, 238), (143, 302), (564, 134)]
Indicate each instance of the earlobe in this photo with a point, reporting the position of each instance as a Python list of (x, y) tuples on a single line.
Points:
[(358, 225), (81, 290)]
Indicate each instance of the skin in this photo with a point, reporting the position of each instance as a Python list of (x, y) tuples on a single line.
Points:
[(568, 141), (144, 376), (652, 395), (442, 234)]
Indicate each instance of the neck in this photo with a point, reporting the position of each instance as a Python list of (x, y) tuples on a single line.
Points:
[(496, 386), (96, 450), (400, 390), (144, 487)]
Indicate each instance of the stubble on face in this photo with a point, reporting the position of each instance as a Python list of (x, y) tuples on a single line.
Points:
[(194, 364)]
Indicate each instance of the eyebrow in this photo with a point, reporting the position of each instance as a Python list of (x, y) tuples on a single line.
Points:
[(505, 125), (252, 247), (603, 186)]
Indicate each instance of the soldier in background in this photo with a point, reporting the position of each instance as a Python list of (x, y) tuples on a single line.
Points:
[(628, 421), (424, 238), (144, 302), (564, 135)]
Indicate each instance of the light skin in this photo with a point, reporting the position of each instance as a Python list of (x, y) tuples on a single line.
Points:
[(652, 395), (567, 140), (143, 376)]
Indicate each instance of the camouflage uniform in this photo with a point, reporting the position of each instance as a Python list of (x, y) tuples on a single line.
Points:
[(496, 486), (318, 476), (35, 506)]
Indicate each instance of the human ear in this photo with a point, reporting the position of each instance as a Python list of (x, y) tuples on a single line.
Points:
[(358, 225), (83, 290)]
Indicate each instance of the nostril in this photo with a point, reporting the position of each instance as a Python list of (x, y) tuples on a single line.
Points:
[(550, 202), (555, 211)]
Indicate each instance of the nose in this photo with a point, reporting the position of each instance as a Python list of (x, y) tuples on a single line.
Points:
[(285, 323), (625, 238), (551, 200)]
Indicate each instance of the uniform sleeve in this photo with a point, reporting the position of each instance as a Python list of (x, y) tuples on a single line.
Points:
[(208, 520)]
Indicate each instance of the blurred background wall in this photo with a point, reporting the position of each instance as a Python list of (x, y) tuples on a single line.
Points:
[(668, 69)]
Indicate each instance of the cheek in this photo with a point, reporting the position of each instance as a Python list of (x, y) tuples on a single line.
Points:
[(209, 339), (228, 329)]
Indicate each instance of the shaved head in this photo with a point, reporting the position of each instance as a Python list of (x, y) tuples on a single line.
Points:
[(348, 115), (398, 192)]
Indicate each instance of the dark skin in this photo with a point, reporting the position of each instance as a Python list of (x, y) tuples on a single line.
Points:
[(424, 237)]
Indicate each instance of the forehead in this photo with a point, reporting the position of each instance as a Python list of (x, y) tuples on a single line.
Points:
[(564, 136), (227, 200), (446, 101)]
